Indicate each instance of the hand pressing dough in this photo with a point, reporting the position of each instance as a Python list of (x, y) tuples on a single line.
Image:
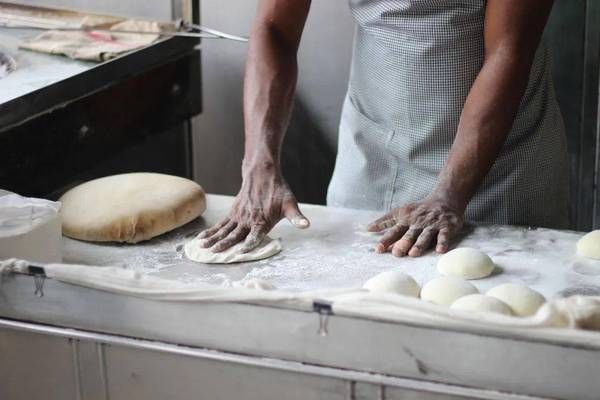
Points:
[(589, 245), (466, 263), (481, 303), (522, 300), (393, 282), (267, 248), (446, 290), (130, 207)]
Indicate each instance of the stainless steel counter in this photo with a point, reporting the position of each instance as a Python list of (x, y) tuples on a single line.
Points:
[(114, 346)]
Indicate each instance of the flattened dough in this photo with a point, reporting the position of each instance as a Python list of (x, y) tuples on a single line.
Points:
[(130, 207), (393, 282), (481, 303), (589, 245), (257, 284), (522, 300), (446, 290), (267, 248), (466, 263)]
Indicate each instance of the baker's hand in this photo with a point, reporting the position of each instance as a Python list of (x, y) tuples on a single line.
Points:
[(264, 199), (415, 227)]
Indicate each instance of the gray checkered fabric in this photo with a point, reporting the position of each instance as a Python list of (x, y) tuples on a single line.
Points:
[(413, 66)]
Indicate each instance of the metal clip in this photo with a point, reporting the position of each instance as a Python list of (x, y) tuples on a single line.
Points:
[(324, 309), (39, 277)]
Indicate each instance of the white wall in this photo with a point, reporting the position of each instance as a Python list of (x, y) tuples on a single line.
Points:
[(311, 141)]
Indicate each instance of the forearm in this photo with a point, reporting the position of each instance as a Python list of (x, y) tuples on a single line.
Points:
[(484, 125), (513, 29), (271, 73)]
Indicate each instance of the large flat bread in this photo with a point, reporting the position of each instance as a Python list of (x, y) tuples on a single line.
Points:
[(130, 207)]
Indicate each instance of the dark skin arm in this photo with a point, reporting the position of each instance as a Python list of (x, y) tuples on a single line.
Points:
[(270, 82), (512, 33)]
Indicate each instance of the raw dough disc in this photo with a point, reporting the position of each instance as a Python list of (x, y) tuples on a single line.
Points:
[(257, 284), (393, 282), (481, 303), (589, 245), (466, 263), (446, 289), (130, 207), (522, 300), (267, 248)]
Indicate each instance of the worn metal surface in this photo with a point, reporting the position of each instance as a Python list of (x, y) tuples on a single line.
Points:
[(67, 80), (74, 117)]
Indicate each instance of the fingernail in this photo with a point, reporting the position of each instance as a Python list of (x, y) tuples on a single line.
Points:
[(300, 222)]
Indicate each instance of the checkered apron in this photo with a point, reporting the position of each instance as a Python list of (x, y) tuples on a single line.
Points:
[(414, 63)]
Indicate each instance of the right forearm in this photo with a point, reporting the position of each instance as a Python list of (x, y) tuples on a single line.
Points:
[(269, 86), (270, 81)]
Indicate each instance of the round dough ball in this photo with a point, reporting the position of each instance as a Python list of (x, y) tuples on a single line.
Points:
[(393, 282), (589, 245), (466, 263), (522, 300), (481, 303), (130, 207), (446, 289)]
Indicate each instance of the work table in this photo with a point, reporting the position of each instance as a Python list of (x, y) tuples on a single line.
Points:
[(96, 341), (337, 252)]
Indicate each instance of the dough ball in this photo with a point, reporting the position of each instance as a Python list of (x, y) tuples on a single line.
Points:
[(522, 300), (466, 263), (589, 245), (130, 207), (481, 303), (446, 289), (393, 282)]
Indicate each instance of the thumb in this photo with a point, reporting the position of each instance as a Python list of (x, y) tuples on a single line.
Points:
[(293, 214)]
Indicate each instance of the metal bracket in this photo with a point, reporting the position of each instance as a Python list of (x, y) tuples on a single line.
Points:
[(324, 309), (39, 277)]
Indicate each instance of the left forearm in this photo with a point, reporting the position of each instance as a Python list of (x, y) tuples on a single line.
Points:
[(485, 122), (512, 32)]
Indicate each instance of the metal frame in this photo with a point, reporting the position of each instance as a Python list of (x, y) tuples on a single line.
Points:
[(482, 360), (352, 378)]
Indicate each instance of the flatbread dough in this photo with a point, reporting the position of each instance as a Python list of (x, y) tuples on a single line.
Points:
[(522, 300), (257, 284), (446, 290), (130, 207), (267, 248), (589, 245), (393, 282), (466, 263)]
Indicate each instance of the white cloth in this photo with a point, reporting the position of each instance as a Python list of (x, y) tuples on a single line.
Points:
[(564, 319), (98, 46)]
